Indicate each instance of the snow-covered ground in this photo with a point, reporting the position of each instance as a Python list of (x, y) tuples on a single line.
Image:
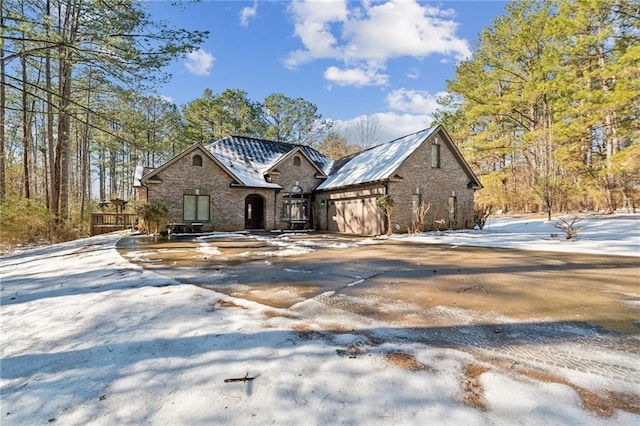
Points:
[(89, 338), (614, 235)]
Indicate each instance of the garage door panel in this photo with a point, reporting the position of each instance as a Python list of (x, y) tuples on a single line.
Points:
[(357, 216)]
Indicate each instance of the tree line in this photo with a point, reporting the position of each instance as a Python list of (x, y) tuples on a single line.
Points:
[(547, 108), (76, 102), (67, 68)]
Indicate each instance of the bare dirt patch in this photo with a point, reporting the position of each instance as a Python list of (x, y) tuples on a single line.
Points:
[(473, 390), (490, 284), (276, 314), (405, 361), (598, 404), (225, 304)]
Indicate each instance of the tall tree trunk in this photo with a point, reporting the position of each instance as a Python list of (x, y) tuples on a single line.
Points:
[(113, 173), (63, 148), (609, 128), (25, 130), (50, 157), (3, 100), (102, 174), (84, 158)]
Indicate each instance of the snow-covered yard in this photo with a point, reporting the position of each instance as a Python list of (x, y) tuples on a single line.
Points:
[(89, 338), (613, 235)]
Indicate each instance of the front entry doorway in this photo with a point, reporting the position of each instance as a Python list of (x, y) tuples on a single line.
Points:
[(254, 212)]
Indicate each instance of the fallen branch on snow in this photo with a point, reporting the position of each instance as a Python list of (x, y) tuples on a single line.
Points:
[(246, 378)]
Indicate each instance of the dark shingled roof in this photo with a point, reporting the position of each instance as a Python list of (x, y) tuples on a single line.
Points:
[(250, 158)]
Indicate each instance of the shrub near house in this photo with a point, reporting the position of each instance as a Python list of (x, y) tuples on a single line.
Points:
[(241, 183)]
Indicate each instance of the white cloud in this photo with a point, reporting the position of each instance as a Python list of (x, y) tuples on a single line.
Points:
[(414, 101), (403, 28), (358, 77), (312, 23), (373, 32), (391, 125), (247, 13), (199, 62), (413, 73)]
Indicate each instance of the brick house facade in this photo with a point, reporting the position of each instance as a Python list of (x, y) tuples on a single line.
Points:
[(241, 183)]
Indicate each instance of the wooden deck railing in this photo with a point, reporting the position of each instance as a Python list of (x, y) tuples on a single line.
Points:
[(102, 223)]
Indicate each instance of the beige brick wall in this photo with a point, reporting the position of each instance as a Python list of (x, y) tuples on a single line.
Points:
[(290, 175), (417, 177), (433, 185), (227, 203)]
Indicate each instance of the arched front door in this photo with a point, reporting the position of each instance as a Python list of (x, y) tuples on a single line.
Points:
[(254, 212)]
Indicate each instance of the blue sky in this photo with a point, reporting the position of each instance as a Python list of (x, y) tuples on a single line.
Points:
[(383, 59)]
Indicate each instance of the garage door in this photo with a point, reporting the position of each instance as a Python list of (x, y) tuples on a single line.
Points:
[(357, 216)]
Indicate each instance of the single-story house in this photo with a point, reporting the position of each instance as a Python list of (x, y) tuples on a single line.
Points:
[(238, 183)]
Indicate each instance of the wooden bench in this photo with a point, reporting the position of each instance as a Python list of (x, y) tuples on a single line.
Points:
[(176, 227), (297, 224)]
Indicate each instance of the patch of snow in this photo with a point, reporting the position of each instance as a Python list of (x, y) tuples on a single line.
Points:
[(88, 338), (613, 235), (207, 250), (215, 235)]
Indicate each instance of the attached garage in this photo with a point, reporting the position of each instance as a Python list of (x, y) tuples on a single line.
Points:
[(423, 168)]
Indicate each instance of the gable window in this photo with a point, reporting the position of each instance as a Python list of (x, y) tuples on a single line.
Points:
[(196, 207), (295, 205), (296, 161), (197, 160), (435, 156)]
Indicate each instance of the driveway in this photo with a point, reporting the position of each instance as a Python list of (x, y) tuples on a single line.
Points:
[(401, 282), (569, 313)]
